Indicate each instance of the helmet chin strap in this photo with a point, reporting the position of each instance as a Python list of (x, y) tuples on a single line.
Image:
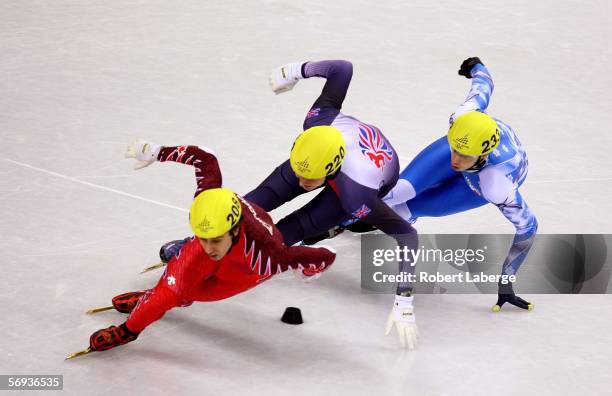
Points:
[(480, 163)]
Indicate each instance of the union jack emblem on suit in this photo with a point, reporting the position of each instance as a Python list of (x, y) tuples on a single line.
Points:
[(313, 112), (374, 146), (362, 212)]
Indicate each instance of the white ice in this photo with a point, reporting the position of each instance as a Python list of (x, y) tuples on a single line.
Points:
[(79, 80)]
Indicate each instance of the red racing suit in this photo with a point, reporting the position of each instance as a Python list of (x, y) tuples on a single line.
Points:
[(257, 254)]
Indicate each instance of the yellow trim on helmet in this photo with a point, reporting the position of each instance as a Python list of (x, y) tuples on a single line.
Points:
[(214, 212), (474, 133), (318, 152)]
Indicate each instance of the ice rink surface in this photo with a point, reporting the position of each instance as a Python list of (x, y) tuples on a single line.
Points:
[(81, 79)]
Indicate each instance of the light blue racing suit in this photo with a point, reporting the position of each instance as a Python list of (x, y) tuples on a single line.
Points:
[(428, 186)]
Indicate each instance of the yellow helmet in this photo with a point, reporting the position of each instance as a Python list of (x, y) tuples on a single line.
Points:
[(474, 133), (214, 212), (317, 152)]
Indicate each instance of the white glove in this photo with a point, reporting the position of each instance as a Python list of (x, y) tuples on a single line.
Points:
[(283, 78), (145, 152), (311, 273), (402, 315)]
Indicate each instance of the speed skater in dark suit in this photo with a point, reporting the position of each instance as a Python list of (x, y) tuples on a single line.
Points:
[(353, 164)]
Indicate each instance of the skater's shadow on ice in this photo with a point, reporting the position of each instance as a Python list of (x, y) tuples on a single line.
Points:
[(279, 347), (341, 281), (176, 356)]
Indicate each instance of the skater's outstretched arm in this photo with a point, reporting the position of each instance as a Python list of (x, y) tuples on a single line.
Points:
[(310, 261), (480, 90), (151, 306), (338, 74), (268, 255), (182, 275), (515, 209), (363, 203), (518, 251), (207, 171), (402, 315), (174, 288), (501, 192)]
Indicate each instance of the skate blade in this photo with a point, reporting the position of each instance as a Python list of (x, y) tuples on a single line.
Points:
[(153, 267), (497, 308), (79, 353), (100, 309)]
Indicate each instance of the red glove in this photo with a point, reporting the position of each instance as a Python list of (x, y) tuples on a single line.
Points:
[(317, 260), (126, 302), (111, 337)]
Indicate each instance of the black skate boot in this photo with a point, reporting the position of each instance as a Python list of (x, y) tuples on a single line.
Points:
[(171, 249)]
